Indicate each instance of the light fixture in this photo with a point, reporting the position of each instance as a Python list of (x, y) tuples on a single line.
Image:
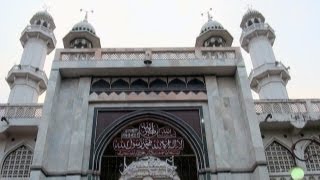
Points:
[(3, 118), (297, 173), (147, 62)]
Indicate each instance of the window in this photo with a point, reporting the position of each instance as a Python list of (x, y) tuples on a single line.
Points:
[(313, 164), (17, 163), (279, 158)]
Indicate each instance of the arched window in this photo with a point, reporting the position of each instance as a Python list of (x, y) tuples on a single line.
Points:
[(177, 84), (100, 86), (158, 84), (120, 84), (279, 158), (45, 24), (17, 163), (196, 84), (313, 164), (250, 23), (139, 84)]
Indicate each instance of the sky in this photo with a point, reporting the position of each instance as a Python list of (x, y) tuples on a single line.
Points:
[(173, 23)]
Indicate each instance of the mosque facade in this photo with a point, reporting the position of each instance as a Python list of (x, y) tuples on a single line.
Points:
[(155, 113)]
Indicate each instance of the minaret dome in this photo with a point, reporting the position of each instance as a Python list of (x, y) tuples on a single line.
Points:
[(44, 19), (82, 35), (213, 34), (251, 17)]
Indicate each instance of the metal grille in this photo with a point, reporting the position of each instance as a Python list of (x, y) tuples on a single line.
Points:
[(123, 56), (17, 163), (77, 56), (279, 158), (313, 164), (173, 55), (21, 111)]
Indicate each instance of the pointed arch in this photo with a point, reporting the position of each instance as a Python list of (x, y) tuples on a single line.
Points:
[(45, 24), (139, 84), (177, 84), (286, 144), (17, 162), (158, 84), (279, 157), (313, 162), (120, 84), (100, 86), (166, 118), (196, 84)]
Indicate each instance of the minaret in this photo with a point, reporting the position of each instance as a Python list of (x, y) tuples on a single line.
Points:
[(82, 35), (28, 80), (269, 77)]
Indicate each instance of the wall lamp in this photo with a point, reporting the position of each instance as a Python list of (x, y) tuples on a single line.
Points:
[(147, 62), (267, 117), (3, 118), (297, 173)]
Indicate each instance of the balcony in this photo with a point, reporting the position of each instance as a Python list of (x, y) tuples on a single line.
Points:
[(255, 30), (293, 112), (30, 73), (147, 61), (40, 32), (24, 117)]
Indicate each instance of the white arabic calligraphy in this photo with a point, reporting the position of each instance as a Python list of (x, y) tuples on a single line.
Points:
[(148, 139)]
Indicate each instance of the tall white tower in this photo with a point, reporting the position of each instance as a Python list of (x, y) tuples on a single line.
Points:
[(268, 77), (28, 80)]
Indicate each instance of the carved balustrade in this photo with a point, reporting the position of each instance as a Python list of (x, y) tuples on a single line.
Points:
[(146, 53), (21, 111), (288, 110)]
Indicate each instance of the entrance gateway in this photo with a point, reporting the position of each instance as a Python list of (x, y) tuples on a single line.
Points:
[(146, 147), (148, 150)]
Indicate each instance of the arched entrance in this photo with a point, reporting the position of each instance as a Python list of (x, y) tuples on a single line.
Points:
[(146, 134)]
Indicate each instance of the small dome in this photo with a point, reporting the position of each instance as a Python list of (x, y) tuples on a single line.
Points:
[(43, 15), (83, 26), (251, 13), (211, 25)]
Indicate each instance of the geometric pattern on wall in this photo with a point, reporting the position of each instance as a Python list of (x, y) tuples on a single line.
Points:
[(313, 164), (279, 158), (17, 163)]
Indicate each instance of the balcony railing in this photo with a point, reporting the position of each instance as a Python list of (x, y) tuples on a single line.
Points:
[(146, 53), (21, 111), (39, 28), (29, 68), (288, 110), (255, 26)]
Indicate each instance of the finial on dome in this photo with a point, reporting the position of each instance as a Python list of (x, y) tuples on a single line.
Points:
[(209, 15), (249, 6), (46, 7), (86, 11)]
